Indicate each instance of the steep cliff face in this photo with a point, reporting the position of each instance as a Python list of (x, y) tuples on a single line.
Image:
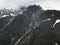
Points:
[(48, 31), (17, 29), (33, 27), (4, 20)]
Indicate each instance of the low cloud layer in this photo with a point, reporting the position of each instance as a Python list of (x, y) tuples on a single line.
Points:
[(50, 4), (14, 4)]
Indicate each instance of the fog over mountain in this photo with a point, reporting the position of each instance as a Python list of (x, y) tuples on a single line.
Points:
[(37, 23), (16, 3), (45, 4)]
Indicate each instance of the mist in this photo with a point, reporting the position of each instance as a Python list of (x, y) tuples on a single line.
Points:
[(15, 4)]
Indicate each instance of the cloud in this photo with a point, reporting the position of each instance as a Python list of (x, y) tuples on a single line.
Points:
[(50, 4), (16, 3), (45, 4)]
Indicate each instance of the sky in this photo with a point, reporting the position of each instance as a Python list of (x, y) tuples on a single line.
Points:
[(45, 4), (50, 4)]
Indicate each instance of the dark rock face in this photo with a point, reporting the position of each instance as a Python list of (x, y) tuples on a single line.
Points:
[(16, 27), (14, 30), (51, 14), (4, 21), (47, 34), (43, 34)]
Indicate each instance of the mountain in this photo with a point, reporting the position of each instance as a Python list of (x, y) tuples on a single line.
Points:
[(20, 26), (47, 33), (33, 27)]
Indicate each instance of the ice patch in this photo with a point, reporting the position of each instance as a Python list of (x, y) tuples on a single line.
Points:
[(4, 16), (56, 43), (46, 20), (57, 21)]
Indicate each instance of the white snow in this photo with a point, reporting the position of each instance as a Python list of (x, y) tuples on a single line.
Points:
[(57, 21), (4, 16)]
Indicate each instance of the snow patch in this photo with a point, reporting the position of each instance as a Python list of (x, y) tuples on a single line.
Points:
[(57, 21), (46, 20), (4, 16)]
